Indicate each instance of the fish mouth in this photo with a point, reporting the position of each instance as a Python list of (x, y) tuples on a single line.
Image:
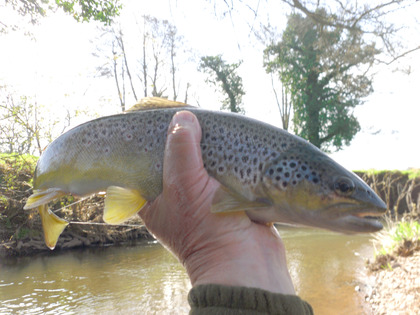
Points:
[(355, 218), (361, 220)]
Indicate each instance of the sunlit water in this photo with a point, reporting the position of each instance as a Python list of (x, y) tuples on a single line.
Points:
[(146, 279)]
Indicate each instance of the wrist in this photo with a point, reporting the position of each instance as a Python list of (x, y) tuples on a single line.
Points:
[(243, 262)]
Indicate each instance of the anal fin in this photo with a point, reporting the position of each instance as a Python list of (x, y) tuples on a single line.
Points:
[(52, 225), (121, 204)]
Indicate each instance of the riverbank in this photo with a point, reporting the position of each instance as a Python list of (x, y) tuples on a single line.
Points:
[(396, 289), (395, 271)]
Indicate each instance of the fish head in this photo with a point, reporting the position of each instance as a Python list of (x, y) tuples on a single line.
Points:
[(308, 187)]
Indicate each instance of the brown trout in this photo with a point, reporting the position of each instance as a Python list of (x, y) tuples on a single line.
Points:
[(272, 175)]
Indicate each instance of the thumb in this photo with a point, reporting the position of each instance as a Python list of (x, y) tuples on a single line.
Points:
[(182, 152)]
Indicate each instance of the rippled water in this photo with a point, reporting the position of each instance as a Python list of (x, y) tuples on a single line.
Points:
[(145, 278)]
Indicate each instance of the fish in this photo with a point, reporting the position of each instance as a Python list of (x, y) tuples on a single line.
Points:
[(272, 175)]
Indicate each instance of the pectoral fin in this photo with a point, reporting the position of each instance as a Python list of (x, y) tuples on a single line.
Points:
[(225, 200), (121, 204), (41, 197), (52, 225)]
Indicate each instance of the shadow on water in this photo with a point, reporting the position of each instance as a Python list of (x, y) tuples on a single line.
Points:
[(325, 268)]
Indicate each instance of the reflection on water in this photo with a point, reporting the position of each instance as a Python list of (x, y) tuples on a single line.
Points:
[(108, 280), (325, 268)]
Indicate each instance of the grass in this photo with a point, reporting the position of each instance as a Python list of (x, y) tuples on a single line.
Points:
[(411, 173), (16, 158), (400, 238)]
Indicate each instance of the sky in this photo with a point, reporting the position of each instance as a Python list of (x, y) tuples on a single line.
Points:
[(59, 71)]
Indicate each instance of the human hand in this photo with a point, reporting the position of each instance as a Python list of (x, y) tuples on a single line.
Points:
[(227, 249)]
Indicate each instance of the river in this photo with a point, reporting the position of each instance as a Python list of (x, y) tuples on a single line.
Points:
[(146, 279)]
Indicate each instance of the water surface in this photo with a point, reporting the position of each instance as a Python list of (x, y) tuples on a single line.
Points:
[(325, 267)]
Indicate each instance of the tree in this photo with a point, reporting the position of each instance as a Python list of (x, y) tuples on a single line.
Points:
[(23, 128), (375, 19), (325, 68), (220, 72), (156, 61), (81, 10)]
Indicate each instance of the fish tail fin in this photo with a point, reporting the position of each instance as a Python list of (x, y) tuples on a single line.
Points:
[(121, 204), (42, 196), (52, 225)]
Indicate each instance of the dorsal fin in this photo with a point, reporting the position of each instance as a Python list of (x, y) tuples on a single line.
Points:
[(155, 103)]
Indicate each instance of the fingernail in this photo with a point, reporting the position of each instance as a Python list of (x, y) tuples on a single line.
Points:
[(181, 120)]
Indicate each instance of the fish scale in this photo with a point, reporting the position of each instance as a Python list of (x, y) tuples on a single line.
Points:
[(272, 175)]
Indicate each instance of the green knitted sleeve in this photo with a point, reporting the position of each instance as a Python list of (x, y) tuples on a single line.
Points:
[(219, 299)]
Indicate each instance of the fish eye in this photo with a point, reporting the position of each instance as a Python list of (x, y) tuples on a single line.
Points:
[(344, 186)]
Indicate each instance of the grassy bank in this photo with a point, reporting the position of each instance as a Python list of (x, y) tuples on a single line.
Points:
[(399, 238)]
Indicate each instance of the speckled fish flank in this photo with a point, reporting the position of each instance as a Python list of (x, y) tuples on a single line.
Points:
[(272, 175)]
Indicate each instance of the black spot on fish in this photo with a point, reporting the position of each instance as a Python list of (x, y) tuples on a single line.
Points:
[(242, 173), (221, 169), (279, 169), (292, 164), (304, 168), (278, 178), (254, 180), (230, 158), (315, 180), (204, 147), (271, 171), (210, 153), (287, 174), (245, 159), (248, 172), (255, 161), (284, 184), (298, 175)]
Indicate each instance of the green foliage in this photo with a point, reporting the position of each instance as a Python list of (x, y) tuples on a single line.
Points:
[(396, 236), (86, 10), (319, 63), (82, 10), (224, 74), (410, 173), (406, 231)]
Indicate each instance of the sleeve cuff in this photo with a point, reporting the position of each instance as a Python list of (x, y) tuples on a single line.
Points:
[(220, 299)]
